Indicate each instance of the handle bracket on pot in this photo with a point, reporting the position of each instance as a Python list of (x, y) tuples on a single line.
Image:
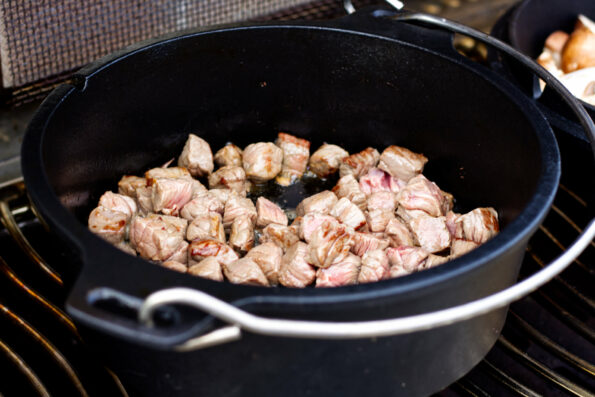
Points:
[(240, 319)]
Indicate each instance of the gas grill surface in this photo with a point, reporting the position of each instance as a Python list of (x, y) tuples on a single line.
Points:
[(547, 346)]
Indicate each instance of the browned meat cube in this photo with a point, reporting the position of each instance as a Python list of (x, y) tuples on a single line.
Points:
[(144, 199), (312, 221), (330, 243), (181, 254), (119, 202), (341, 273), (383, 200), (241, 237), (154, 238), (164, 172), (228, 155), (461, 247), (377, 220), (327, 159), (377, 180), (201, 249), (478, 225), (451, 224), (422, 194), (107, 224), (206, 226), (405, 259), (349, 188), (295, 270), (244, 271), (434, 260), (375, 267), (129, 183), (431, 233), (321, 203), (262, 161), (207, 268), (238, 206), (197, 156), (176, 224), (170, 195), (348, 213), (229, 177), (201, 205), (360, 163), (398, 233), (364, 242), (296, 152), (268, 256), (173, 265), (269, 212), (283, 236), (401, 162)]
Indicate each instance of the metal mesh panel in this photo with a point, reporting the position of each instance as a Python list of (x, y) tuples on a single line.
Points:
[(43, 38)]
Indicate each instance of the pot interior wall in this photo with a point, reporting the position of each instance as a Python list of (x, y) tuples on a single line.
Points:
[(245, 85)]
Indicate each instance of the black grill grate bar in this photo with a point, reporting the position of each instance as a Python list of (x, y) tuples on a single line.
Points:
[(572, 194), (551, 346), (569, 221), (46, 346), (558, 244), (511, 383), (25, 369), (543, 371), (469, 388)]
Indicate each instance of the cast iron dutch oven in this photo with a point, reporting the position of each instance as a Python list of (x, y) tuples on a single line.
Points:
[(364, 80)]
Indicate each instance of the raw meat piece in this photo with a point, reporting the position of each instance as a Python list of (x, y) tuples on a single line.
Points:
[(296, 152), (262, 161), (327, 159), (201, 205), (478, 225), (330, 244), (348, 213), (176, 224), (197, 156), (170, 195), (201, 249), (401, 162), (377, 220), (295, 271), (244, 271), (119, 202), (283, 236), (360, 163), (123, 246), (349, 188), (180, 255), (320, 203), (341, 273), (154, 238), (382, 200), (173, 265), (206, 226), (451, 224), (375, 267), (269, 212), (430, 232), (364, 242), (229, 154), (398, 233), (268, 256), (409, 259), (129, 183), (461, 247), (161, 172), (422, 194), (434, 260), (222, 195), (107, 224), (207, 268), (229, 177), (238, 206), (144, 199), (377, 180), (241, 237)]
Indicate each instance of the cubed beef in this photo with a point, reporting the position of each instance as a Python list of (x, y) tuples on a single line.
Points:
[(154, 238), (349, 188), (229, 177), (348, 213), (237, 206), (401, 162), (422, 194), (377, 220), (382, 200), (241, 237), (197, 156), (377, 180), (364, 242), (166, 172), (119, 202), (330, 243), (262, 161), (296, 152), (295, 270), (207, 268), (228, 155), (170, 195), (129, 183), (176, 266), (144, 199), (321, 203), (206, 226), (461, 247), (312, 221), (375, 267), (268, 256), (269, 212), (107, 224), (201, 249), (327, 159), (409, 259), (341, 273), (180, 255), (434, 260), (244, 271), (431, 232), (201, 205), (398, 233), (360, 163), (478, 225), (283, 236)]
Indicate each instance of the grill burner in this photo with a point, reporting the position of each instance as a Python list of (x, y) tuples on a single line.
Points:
[(547, 346)]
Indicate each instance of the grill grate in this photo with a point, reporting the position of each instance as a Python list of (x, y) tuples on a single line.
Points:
[(546, 348)]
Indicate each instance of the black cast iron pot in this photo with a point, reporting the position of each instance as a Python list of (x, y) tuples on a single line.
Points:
[(360, 81)]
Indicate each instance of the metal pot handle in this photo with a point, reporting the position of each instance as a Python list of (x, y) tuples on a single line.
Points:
[(239, 319)]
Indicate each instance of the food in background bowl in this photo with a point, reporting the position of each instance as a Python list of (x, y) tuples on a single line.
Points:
[(571, 58), (383, 218)]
